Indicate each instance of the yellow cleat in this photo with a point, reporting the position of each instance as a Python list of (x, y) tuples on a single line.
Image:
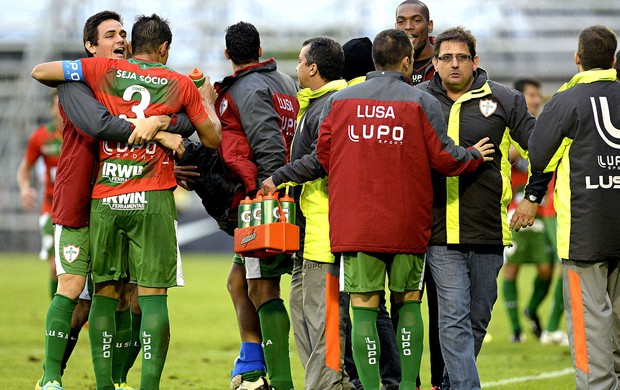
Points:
[(123, 386), (52, 386)]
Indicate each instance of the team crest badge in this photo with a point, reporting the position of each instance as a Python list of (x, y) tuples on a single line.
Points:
[(71, 252), (223, 106), (487, 107)]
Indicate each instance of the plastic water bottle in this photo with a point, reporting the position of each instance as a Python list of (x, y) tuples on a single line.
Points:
[(288, 206), (257, 204), (244, 213), (270, 211), (197, 77)]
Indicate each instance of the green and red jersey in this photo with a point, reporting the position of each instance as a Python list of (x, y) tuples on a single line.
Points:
[(138, 89), (45, 142)]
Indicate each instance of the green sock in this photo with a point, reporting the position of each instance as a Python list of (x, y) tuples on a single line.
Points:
[(410, 337), (57, 330), (253, 376), (275, 327), (101, 331), (71, 342), (121, 343), (53, 287), (541, 288), (512, 304), (155, 335), (557, 307), (366, 346), (135, 346)]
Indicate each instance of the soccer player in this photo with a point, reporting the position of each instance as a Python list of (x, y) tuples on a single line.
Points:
[(357, 63), (43, 143), (258, 109), (535, 245), (104, 36), (413, 17), (133, 216), (385, 122)]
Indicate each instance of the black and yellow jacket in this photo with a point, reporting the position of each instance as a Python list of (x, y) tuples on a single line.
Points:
[(578, 132), (471, 209)]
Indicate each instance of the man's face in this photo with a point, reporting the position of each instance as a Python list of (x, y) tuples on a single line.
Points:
[(303, 69), (533, 98), (410, 18), (111, 40), (456, 74)]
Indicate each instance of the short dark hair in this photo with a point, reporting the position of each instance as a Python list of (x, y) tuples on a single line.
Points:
[(425, 12), (242, 43), (328, 56), (596, 47), (91, 31), (390, 47), (458, 34), (357, 58), (149, 32), (520, 84)]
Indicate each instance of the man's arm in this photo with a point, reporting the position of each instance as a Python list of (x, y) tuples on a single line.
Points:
[(28, 194), (521, 124), (209, 130), (94, 119), (445, 156), (261, 124), (51, 73), (89, 115)]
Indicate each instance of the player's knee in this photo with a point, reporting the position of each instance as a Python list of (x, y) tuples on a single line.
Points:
[(260, 294), (236, 285), (71, 286), (125, 299)]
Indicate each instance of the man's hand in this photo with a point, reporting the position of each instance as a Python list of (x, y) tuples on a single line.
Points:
[(485, 149), (208, 92), (268, 187), (29, 198), (185, 174), (524, 215), (171, 141), (146, 128)]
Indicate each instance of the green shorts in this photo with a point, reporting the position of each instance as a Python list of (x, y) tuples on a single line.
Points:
[(269, 267), (47, 236), (531, 246), (72, 250), (365, 272), (136, 234)]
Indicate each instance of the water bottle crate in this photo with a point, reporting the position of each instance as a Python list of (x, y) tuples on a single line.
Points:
[(267, 240)]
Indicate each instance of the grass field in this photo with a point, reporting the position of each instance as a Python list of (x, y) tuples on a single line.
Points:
[(205, 339)]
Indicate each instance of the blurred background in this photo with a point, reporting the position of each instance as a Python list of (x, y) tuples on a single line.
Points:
[(516, 39)]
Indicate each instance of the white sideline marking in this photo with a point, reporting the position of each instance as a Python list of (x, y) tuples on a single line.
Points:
[(553, 374)]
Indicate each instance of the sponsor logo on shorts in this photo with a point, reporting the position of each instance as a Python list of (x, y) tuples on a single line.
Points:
[(130, 201), (70, 252)]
